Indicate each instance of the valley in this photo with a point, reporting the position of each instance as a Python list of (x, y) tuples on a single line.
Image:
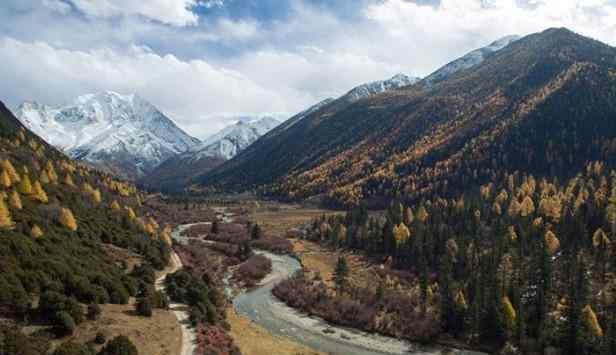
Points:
[(468, 212)]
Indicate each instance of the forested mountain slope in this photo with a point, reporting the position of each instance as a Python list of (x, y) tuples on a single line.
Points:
[(59, 222), (541, 105)]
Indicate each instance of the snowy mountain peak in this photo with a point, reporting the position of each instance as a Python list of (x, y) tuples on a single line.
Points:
[(469, 60), (108, 128), (377, 87), (233, 139)]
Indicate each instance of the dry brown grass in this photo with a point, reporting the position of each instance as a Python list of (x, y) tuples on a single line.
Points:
[(277, 219), (254, 340), (315, 258), (158, 335)]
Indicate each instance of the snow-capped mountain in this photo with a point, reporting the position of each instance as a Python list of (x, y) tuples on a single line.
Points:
[(233, 139), (377, 87), (469, 60), (121, 132), (176, 173)]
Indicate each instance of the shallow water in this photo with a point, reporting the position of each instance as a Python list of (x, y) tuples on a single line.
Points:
[(264, 309)]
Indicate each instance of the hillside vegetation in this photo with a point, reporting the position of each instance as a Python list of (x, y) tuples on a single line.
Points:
[(540, 106), (56, 218)]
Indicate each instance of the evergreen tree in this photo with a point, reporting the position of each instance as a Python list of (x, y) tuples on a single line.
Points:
[(341, 273)]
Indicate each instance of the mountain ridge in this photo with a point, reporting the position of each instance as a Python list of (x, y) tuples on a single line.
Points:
[(383, 145), (124, 133)]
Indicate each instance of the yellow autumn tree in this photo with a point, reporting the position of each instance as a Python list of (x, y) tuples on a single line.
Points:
[(591, 321), (51, 172), (551, 242), (5, 180), (527, 207), (130, 213), (496, 208), (514, 208), (599, 238), (10, 169), (460, 300), (68, 180), (115, 206), (96, 196), (38, 194), (15, 200), (44, 178), (36, 232), (68, 220), (25, 188), (510, 313), (401, 233), (6, 222), (422, 214)]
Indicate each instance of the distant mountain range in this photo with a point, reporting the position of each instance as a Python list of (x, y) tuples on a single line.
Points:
[(176, 173), (131, 137), (122, 133), (537, 105)]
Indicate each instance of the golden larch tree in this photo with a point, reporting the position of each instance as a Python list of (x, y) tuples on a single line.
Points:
[(6, 222), (44, 178), (10, 169), (15, 200), (38, 193), (592, 322), (36, 232), (510, 313), (5, 180), (68, 180), (527, 207), (115, 206), (25, 188), (67, 219), (551, 242)]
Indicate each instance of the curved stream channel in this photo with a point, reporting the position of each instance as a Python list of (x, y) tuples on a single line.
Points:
[(267, 311)]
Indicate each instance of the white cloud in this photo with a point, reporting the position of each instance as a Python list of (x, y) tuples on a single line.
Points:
[(188, 91), (205, 75), (172, 12)]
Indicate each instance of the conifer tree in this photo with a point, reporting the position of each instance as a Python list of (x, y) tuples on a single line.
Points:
[(68, 220), (115, 206), (39, 194), (36, 232), (341, 273), (25, 188), (68, 180), (15, 200), (8, 167), (6, 222), (5, 180)]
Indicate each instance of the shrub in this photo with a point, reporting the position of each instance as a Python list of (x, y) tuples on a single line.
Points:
[(100, 338), (94, 311), (144, 306), (66, 324), (119, 345)]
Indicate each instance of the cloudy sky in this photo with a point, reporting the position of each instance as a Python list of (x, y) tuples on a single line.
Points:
[(206, 62)]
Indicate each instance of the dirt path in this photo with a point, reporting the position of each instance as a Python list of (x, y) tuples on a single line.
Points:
[(180, 310)]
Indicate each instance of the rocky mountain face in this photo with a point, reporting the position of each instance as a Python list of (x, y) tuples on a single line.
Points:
[(469, 60), (378, 87), (176, 173), (122, 133), (539, 105)]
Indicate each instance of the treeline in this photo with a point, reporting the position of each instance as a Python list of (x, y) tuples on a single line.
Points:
[(520, 261)]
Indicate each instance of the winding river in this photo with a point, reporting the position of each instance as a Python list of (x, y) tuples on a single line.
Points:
[(264, 309)]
